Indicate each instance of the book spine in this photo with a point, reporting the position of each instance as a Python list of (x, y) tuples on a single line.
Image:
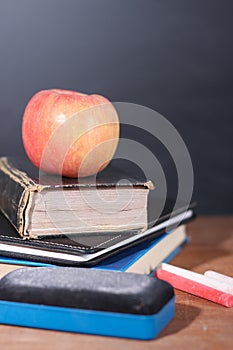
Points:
[(15, 190)]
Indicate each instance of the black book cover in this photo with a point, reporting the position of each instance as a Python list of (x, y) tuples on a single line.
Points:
[(88, 249), (84, 250)]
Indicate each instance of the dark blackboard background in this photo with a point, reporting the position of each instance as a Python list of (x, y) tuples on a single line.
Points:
[(173, 56)]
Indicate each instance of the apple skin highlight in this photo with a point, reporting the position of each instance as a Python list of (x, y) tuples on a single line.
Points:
[(70, 133)]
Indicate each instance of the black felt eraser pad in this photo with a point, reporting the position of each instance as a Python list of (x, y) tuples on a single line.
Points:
[(84, 288)]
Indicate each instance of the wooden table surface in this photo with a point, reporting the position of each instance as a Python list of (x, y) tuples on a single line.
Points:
[(198, 323)]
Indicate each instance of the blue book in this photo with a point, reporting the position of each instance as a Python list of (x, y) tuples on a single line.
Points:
[(142, 258)]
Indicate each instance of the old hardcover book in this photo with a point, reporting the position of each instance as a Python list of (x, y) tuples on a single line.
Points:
[(40, 205)]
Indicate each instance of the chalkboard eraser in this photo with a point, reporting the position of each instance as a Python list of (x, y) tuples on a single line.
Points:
[(86, 301)]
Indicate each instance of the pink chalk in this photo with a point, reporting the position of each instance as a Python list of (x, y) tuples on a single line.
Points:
[(196, 284)]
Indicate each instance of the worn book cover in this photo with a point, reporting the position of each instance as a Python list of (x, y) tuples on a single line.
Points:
[(49, 205)]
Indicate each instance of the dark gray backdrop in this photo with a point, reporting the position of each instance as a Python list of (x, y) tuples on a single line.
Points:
[(173, 56)]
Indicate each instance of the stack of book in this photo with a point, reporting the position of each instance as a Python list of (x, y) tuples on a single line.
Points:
[(97, 222)]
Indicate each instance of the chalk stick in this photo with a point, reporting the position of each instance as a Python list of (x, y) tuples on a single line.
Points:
[(196, 284), (220, 277)]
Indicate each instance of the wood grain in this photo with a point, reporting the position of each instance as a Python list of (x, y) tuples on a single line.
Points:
[(198, 323)]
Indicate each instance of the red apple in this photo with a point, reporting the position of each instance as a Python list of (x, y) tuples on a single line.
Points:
[(69, 133)]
